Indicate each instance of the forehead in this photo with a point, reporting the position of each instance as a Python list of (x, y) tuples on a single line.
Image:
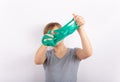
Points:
[(55, 27)]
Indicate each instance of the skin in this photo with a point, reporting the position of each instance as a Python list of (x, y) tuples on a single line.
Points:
[(60, 49)]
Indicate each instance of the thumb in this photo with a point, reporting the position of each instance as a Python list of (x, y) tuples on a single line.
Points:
[(74, 14)]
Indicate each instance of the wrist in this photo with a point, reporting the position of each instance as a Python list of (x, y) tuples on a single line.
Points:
[(80, 29), (44, 46)]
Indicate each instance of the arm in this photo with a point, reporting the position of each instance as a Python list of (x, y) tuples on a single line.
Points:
[(40, 56), (86, 50)]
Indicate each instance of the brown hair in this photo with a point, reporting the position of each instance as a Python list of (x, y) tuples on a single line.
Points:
[(50, 26)]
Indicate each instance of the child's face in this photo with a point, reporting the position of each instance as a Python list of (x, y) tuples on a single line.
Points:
[(54, 28), (62, 41)]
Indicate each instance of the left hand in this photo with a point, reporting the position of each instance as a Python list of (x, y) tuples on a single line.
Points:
[(79, 20)]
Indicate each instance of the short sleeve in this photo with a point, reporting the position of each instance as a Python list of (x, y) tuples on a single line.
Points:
[(47, 58), (75, 56)]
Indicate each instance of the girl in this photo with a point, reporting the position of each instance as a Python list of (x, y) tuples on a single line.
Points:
[(61, 63)]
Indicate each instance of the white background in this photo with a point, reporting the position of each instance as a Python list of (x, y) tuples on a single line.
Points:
[(21, 28)]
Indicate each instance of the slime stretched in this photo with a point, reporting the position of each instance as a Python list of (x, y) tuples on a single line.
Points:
[(60, 34)]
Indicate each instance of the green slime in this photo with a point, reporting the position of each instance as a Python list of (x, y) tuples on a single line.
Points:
[(60, 34)]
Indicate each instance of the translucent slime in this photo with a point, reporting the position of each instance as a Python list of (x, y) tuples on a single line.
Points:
[(59, 34)]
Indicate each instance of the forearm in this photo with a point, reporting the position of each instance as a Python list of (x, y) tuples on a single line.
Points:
[(86, 45), (40, 54)]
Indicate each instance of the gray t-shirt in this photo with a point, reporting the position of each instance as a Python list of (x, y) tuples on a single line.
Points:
[(61, 70)]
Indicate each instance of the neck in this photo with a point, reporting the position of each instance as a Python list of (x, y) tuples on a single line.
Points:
[(60, 48)]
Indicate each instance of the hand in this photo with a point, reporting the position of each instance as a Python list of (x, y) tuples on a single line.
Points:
[(48, 37), (79, 20), (48, 40)]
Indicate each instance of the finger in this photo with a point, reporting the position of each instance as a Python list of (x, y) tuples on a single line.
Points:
[(79, 18), (48, 39), (49, 35), (74, 15)]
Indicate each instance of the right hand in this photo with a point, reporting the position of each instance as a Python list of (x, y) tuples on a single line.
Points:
[(48, 39)]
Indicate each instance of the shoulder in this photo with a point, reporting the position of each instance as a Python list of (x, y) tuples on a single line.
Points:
[(48, 53), (73, 53), (73, 50), (48, 56)]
